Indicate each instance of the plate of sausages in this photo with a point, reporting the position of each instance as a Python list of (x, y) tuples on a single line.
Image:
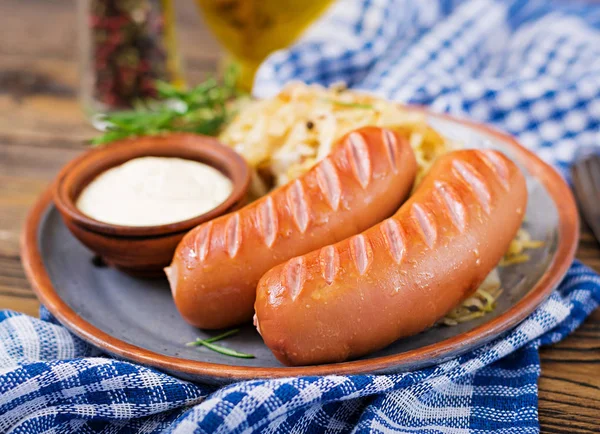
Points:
[(347, 269)]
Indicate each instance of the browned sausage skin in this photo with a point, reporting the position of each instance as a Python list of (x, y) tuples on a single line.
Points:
[(400, 276), (217, 265)]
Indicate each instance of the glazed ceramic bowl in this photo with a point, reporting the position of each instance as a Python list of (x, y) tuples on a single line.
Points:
[(143, 250)]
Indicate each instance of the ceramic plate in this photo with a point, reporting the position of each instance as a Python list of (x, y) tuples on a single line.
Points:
[(136, 319)]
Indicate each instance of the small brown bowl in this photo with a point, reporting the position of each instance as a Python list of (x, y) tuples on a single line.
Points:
[(143, 250)]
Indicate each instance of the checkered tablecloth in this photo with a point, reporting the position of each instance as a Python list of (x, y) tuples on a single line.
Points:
[(531, 68)]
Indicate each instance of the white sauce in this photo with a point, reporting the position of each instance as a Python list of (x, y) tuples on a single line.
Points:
[(151, 191)]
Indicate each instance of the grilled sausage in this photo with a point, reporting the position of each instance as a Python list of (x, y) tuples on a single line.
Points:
[(217, 265), (399, 277)]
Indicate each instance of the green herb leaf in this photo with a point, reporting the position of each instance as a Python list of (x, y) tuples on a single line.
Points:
[(203, 110), (208, 343), (166, 90), (227, 351), (213, 339)]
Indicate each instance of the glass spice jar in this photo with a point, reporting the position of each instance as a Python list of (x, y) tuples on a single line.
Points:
[(126, 45)]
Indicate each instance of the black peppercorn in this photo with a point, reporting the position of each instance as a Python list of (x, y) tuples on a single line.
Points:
[(310, 125), (128, 49)]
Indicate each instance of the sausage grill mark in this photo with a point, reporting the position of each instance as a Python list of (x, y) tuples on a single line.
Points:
[(393, 236), (274, 294), (203, 240), (391, 147), (426, 223), (495, 162), (475, 182), (330, 263), (358, 156), (362, 253), (294, 276), (329, 183), (298, 205), (268, 222), (452, 203), (233, 235)]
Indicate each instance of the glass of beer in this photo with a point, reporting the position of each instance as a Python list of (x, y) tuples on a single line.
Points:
[(251, 29)]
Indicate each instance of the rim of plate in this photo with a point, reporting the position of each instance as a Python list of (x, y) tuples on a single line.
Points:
[(568, 235)]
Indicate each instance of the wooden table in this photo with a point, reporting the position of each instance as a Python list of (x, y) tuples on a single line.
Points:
[(42, 127)]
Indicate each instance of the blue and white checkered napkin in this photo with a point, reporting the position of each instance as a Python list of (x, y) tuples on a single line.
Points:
[(532, 68)]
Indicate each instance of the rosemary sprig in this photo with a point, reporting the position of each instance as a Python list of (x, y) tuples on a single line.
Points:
[(227, 351), (228, 333), (208, 343), (203, 110)]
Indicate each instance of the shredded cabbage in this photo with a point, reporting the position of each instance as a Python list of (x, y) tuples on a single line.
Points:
[(283, 137)]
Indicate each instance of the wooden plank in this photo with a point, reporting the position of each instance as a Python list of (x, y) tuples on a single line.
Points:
[(569, 393), (28, 306), (43, 29), (39, 100), (25, 171)]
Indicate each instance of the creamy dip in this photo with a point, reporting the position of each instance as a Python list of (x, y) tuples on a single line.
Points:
[(151, 191)]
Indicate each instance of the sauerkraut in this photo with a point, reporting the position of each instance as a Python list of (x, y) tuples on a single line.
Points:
[(283, 137)]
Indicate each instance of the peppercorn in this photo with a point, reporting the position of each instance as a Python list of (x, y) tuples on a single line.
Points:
[(128, 50)]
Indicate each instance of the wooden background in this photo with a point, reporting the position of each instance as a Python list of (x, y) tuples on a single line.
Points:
[(42, 127)]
